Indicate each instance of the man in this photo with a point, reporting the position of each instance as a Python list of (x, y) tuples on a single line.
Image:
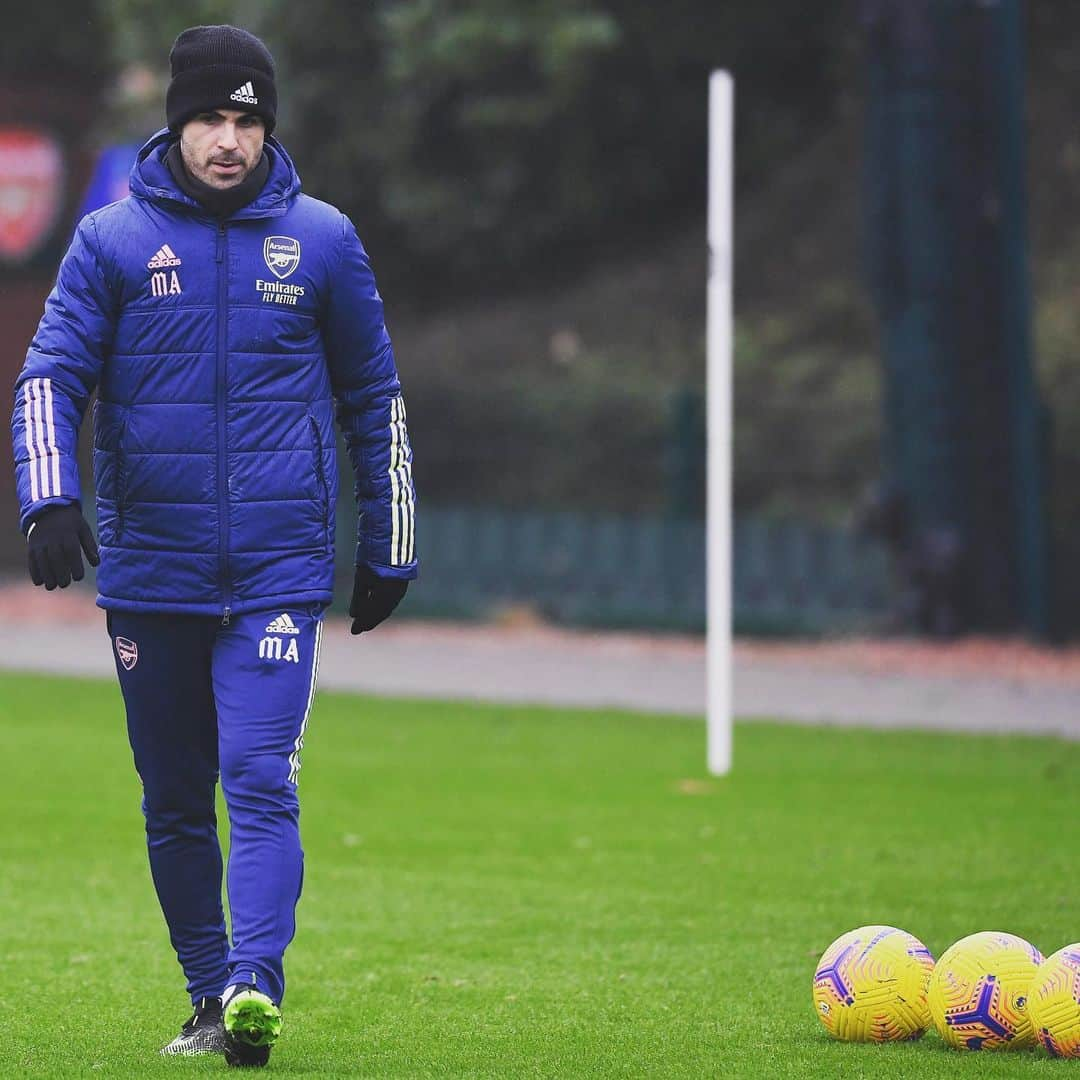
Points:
[(220, 314)]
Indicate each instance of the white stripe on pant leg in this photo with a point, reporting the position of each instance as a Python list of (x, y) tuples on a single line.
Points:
[(39, 438), (294, 757), (28, 425), (50, 431)]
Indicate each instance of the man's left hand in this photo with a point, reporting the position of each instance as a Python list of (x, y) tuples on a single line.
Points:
[(373, 599), (57, 538)]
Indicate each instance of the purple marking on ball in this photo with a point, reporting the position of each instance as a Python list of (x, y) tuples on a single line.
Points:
[(831, 974), (981, 1014), (1050, 1044), (880, 936)]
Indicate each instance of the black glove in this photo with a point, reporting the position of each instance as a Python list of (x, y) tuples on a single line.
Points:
[(53, 544), (373, 599)]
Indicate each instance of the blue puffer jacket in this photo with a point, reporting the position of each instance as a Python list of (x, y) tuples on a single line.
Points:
[(218, 351)]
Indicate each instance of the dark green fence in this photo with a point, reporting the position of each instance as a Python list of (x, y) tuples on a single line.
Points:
[(648, 571)]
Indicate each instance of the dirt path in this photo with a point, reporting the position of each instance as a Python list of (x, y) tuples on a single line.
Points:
[(970, 686)]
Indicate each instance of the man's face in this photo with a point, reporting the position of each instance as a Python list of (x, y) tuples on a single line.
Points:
[(220, 148)]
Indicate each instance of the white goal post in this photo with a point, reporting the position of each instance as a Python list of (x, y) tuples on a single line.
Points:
[(718, 375)]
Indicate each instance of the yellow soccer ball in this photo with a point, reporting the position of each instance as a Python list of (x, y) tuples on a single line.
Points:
[(1054, 1003), (979, 992), (870, 985)]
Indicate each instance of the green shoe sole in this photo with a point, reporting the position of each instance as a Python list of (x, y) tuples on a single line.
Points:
[(252, 1018)]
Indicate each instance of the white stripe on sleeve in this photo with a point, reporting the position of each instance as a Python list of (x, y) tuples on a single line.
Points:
[(28, 426), (50, 431), (408, 504), (39, 437), (402, 509), (395, 489)]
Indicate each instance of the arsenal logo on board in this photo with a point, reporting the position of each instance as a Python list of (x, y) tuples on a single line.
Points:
[(128, 652), (282, 255), (31, 181)]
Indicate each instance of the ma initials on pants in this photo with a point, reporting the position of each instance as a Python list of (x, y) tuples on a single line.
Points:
[(270, 648)]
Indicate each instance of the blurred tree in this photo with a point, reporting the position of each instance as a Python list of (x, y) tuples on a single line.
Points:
[(72, 41), (456, 132), (142, 31), (480, 144)]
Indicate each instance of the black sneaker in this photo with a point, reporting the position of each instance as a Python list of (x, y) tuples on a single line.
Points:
[(204, 1033), (252, 1024)]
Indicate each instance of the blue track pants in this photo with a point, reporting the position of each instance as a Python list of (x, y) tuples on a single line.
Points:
[(204, 699)]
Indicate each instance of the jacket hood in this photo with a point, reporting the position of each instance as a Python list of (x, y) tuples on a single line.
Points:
[(151, 180)]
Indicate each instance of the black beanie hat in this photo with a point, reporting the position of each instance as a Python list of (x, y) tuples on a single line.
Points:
[(220, 67)]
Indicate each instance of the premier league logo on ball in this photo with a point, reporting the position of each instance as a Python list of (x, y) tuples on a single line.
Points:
[(282, 255)]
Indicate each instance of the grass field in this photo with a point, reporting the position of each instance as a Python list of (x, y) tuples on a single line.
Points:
[(511, 892)]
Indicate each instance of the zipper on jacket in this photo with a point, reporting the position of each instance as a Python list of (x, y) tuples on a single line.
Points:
[(222, 448), (320, 472), (121, 480)]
